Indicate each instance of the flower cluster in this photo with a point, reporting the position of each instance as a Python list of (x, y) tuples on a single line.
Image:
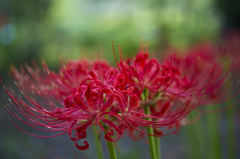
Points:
[(140, 92)]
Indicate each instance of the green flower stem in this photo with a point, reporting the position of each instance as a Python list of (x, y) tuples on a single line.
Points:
[(194, 148), (158, 147), (152, 144), (151, 138), (230, 127), (98, 143), (212, 123), (231, 144), (111, 149), (230, 132), (197, 137)]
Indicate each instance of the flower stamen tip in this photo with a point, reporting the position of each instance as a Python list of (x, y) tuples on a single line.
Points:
[(9, 118)]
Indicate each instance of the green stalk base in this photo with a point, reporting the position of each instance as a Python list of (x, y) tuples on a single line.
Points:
[(98, 143), (158, 147), (151, 139), (111, 149)]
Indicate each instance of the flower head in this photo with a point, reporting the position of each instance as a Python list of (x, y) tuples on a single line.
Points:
[(84, 93), (145, 73)]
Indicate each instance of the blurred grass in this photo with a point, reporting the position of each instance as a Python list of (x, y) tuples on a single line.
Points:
[(213, 136), (47, 29)]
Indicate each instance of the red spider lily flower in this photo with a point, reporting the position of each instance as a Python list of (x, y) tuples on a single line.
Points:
[(171, 113), (87, 104), (106, 99), (140, 71), (93, 93), (178, 82), (144, 73), (200, 77), (164, 85), (203, 75)]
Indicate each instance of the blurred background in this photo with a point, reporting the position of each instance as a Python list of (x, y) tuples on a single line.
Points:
[(48, 29)]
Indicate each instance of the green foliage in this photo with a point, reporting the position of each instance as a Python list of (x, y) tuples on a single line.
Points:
[(47, 29)]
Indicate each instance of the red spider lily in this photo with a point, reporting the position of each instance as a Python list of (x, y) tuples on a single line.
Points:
[(134, 118), (169, 114), (93, 93), (203, 75), (87, 104), (84, 105), (144, 73), (106, 99), (197, 76)]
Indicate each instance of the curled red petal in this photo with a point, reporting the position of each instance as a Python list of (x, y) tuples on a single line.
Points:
[(108, 103), (164, 108), (134, 101), (84, 147), (88, 95), (67, 102), (110, 133), (81, 135), (93, 74), (108, 136), (80, 104)]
